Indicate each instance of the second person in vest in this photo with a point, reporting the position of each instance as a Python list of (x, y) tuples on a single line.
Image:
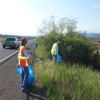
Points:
[(36, 43), (54, 51), (24, 62)]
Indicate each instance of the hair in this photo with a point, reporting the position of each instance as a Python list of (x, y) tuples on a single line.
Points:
[(21, 44)]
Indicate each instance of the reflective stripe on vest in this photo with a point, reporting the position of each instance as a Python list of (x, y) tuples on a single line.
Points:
[(20, 57), (53, 48)]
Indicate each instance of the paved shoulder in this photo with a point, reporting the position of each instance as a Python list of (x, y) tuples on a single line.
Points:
[(10, 81)]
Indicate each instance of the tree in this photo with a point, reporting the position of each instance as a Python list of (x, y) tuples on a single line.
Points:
[(61, 26)]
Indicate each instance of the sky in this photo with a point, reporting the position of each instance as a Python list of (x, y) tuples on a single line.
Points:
[(21, 17)]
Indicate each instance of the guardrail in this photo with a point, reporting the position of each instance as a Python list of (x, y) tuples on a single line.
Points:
[(8, 57)]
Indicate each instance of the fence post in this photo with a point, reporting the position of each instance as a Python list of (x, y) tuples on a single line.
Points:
[(97, 52)]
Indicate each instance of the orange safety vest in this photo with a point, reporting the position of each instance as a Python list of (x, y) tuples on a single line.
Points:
[(23, 61)]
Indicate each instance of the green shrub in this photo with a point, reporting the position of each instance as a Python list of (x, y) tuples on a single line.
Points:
[(76, 49), (73, 49), (96, 61)]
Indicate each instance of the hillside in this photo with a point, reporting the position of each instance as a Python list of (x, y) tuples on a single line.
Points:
[(19, 37), (93, 35)]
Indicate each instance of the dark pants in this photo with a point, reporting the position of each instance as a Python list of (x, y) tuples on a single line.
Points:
[(54, 58), (24, 78)]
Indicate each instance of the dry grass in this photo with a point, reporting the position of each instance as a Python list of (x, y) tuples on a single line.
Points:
[(96, 42), (1, 39)]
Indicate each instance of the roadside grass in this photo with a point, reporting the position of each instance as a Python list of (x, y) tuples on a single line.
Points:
[(66, 82)]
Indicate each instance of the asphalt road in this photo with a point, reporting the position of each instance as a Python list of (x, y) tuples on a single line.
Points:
[(10, 80), (5, 52), (0, 44)]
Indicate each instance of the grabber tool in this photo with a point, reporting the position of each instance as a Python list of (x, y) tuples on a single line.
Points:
[(39, 57)]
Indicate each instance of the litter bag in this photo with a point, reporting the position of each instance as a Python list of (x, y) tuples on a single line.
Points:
[(58, 58), (35, 45), (31, 76)]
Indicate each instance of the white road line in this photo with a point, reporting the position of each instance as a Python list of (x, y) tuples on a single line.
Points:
[(8, 56)]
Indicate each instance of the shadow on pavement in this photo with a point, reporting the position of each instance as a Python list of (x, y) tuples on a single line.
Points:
[(36, 93), (11, 48), (28, 48)]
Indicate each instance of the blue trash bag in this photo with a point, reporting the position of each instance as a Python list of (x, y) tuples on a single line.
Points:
[(31, 76), (58, 58), (35, 45)]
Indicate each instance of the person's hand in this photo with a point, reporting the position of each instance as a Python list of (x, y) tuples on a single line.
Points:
[(30, 53)]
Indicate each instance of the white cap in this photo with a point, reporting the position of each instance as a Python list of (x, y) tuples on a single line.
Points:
[(59, 42)]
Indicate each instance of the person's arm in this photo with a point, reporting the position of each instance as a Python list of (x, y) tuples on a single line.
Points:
[(25, 53), (56, 50)]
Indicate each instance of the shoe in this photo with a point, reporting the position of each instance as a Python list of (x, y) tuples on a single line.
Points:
[(29, 86), (27, 91)]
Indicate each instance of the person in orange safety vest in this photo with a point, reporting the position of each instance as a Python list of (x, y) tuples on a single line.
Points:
[(24, 62)]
